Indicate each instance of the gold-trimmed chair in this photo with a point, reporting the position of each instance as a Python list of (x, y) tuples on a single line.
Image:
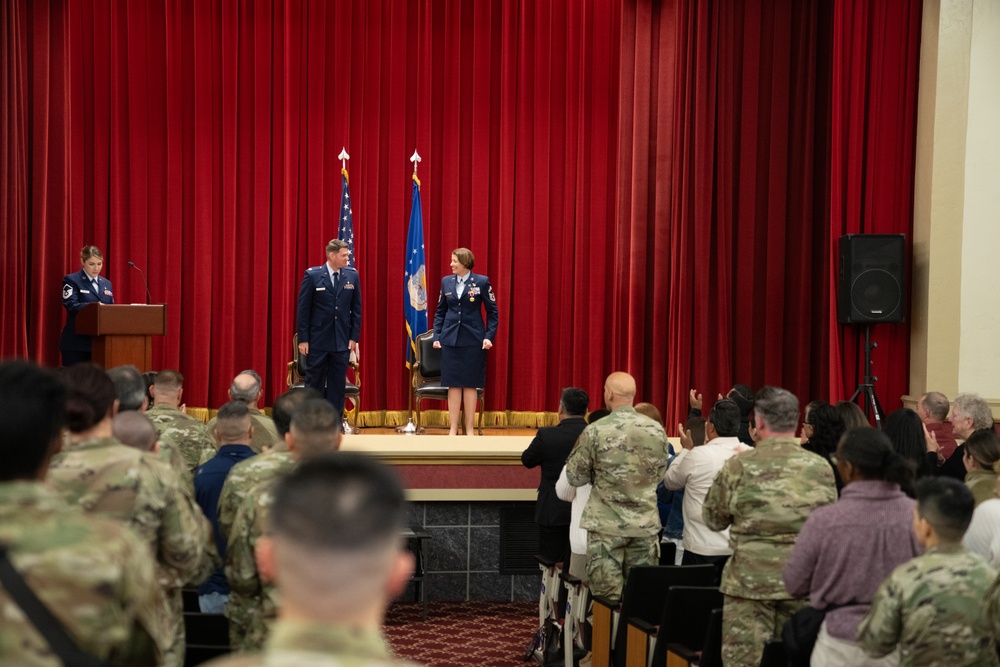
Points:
[(426, 378), (352, 390)]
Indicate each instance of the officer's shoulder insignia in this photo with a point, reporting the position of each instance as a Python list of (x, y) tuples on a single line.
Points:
[(67, 291)]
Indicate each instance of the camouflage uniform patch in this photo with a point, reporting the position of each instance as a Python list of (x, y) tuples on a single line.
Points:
[(93, 574), (749, 624), (611, 558), (242, 479), (184, 433), (932, 607)]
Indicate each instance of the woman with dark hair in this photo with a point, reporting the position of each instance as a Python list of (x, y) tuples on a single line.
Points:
[(845, 550), (90, 402), (807, 429), (81, 289), (825, 428), (982, 451), (906, 432), (462, 337)]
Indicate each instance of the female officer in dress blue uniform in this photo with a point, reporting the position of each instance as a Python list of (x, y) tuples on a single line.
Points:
[(80, 289), (459, 332)]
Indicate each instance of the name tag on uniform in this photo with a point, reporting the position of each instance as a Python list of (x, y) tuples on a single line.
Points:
[(320, 289), (85, 291)]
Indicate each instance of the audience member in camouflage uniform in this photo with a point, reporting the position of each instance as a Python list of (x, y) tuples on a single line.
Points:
[(178, 431), (315, 430), (243, 478), (113, 481), (247, 388), (337, 570), (94, 575), (764, 496), (245, 475), (931, 607), (624, 456), (130, 390)]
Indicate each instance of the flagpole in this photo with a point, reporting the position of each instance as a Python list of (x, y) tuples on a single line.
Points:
[(415, 159), (411, 428), (348, 219)]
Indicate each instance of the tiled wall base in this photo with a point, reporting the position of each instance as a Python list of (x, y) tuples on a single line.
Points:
[(462, 556)]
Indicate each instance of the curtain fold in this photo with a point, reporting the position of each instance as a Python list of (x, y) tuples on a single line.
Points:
[(14, 175), (652, 186)]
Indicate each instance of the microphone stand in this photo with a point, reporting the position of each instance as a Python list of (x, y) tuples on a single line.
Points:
[(149, 298)]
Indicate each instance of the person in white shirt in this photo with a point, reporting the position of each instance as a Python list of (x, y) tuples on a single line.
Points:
[(578, 496), (694, 470)]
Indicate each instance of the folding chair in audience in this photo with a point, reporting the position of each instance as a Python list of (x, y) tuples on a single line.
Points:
[(683, 622), (574, 619), (643, 598), (545, 644), (668, 553), (710, 654), (206, 637), (774, 654)]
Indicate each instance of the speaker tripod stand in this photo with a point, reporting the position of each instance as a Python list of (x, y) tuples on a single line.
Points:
[(868, 387)]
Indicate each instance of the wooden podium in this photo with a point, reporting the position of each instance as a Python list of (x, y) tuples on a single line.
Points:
[(122, 333)]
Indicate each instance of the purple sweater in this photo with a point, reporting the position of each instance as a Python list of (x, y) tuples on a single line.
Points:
[(845, 550)]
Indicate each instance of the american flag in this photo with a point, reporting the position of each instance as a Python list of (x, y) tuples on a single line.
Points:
[(345, 226)]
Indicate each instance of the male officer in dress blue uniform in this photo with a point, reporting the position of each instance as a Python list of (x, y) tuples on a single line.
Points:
[(329, 322)]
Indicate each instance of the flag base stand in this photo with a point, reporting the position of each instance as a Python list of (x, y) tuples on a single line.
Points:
[(409, 429), (346, 428)]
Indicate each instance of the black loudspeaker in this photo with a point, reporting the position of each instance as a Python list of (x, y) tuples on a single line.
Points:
[(871, 278)]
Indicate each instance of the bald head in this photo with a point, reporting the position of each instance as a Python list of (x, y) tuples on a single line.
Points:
[(134, 429), (246, 388), (619, 390)]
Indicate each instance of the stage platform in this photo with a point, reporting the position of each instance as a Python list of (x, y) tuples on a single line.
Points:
[(441, 467)]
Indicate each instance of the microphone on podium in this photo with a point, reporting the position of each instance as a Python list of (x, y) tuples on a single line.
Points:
[(149, 298)]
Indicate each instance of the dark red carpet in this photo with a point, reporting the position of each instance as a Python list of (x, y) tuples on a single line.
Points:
[(485, 634)]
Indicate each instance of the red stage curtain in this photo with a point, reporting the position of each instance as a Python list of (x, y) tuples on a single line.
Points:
[(14, 177), (650, 185), (732, 198)]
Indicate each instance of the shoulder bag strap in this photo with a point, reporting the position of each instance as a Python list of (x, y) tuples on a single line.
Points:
[(48, 625)]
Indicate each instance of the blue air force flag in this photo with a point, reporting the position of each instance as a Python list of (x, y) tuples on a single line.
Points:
[(415, 277)]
